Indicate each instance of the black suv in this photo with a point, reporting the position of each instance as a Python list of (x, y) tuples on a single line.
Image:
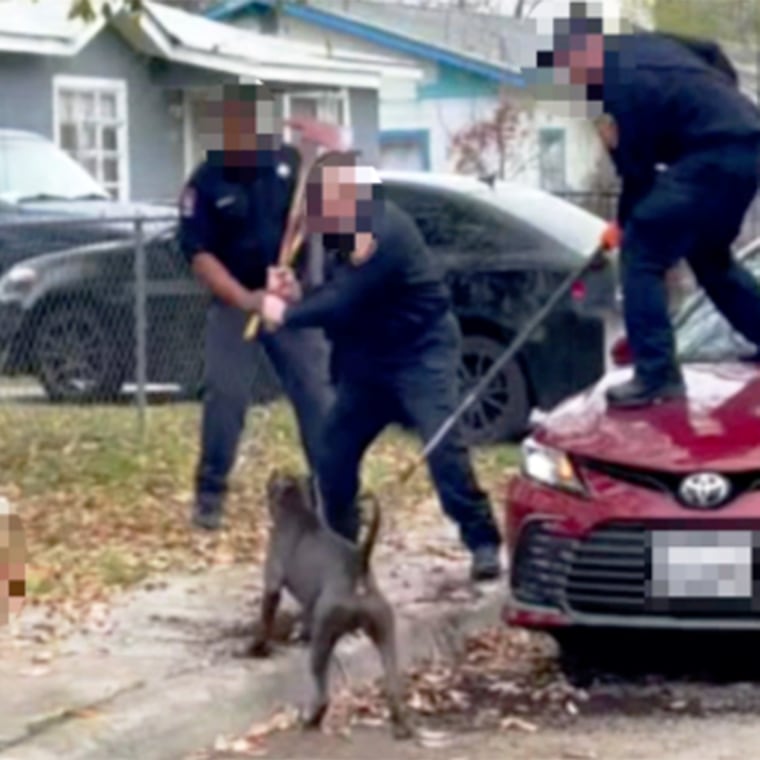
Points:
[(68, 316)]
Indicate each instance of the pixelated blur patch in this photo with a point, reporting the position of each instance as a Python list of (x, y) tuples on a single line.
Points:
[(12, 563)]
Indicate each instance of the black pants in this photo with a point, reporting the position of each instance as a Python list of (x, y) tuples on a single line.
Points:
[(694, 212), (301, 360), (422, 391)]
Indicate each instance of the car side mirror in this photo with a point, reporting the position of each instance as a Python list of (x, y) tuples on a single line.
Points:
[(621, 353)]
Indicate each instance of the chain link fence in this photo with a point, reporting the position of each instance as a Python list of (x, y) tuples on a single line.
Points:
[(106, 310), (98, 311)]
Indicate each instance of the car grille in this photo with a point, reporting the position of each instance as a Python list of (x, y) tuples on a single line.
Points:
[(608, 573), (668, 482), (604, 573)]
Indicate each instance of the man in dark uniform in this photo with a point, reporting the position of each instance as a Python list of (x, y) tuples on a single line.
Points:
[(395, 346), (233, 214), (686, 144)]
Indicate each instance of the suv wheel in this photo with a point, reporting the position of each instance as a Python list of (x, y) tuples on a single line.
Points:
[(503, 410), (75, 355)]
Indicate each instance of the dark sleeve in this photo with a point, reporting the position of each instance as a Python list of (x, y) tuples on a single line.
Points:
[(195, 234), (634, 189), (709, 52), (354, 289), (638, 114)]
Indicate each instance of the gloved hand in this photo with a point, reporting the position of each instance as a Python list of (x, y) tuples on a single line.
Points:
[(612, 237), (273, 310)]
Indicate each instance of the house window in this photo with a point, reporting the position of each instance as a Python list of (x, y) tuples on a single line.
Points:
[(552, 164), (328, 106), (91, 126), (405, 149)]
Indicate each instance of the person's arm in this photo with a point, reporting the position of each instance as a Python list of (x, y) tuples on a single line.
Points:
[(639, 112), (214, 275), (344, 298), (196, 241)]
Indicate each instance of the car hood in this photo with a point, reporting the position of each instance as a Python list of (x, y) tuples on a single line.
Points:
[(715, 427), (91, 209), (82, 223)]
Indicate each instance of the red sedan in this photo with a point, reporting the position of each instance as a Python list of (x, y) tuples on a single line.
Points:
[(646, 518)]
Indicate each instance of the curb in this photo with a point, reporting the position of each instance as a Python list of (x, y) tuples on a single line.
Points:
[(170, 720)]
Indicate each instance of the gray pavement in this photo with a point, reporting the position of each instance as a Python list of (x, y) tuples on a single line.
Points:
[(161, 672)]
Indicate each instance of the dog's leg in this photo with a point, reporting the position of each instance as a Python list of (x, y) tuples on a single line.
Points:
[(326, 631), (273, 578), (379, 624)]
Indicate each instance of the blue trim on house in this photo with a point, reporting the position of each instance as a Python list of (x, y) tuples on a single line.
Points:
[(379, 36), (452, 82), (420, 137)]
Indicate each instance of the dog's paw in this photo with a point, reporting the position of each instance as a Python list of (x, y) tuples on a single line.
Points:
[(312, 720), (260, 649), (403, 730)]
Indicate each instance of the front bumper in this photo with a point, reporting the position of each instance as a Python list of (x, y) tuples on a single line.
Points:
[(588, 563)]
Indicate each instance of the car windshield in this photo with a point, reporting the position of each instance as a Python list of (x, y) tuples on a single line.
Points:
[(703, 334), (35, 169)]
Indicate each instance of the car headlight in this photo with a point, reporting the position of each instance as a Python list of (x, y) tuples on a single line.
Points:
[(551, 468), (17, 281)]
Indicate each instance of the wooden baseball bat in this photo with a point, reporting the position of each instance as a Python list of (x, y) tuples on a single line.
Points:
[(293, 238)]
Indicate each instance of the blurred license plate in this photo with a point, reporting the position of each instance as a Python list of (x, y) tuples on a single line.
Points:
[(701, 564)]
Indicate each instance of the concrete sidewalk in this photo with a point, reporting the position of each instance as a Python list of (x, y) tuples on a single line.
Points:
[(161, 673)]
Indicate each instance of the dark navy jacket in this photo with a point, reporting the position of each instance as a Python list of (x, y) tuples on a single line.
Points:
[(377, 312), (669, 103), (238, 214)]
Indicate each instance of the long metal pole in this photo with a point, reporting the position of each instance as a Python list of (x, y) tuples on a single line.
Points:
[(509, 354), (141, 325)]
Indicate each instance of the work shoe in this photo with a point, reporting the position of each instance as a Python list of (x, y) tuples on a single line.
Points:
[(635, 394), (486, 565), (207, 514)]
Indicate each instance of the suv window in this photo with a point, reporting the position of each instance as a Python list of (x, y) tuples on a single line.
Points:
[(459, 224), (32, 168)]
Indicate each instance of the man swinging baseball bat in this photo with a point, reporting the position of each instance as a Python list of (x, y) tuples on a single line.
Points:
[(395, 350)]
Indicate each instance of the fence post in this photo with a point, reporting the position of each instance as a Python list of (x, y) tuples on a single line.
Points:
[(141, 326)]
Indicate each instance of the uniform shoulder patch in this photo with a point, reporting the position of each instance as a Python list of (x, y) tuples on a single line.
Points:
[(188, 200)]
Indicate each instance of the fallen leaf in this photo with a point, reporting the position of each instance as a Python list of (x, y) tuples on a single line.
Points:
[(518, 724), (37, 672), (434, 739), (221, 744)]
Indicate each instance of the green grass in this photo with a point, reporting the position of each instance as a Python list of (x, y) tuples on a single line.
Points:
[(104, 509)]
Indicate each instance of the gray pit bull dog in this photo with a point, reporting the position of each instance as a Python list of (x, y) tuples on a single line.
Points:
[(331, 579)]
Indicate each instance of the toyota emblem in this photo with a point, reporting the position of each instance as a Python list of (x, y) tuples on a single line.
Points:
[(705, 490)]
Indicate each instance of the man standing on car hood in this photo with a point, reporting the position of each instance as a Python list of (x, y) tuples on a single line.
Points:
[(686, 143), (234, 210)]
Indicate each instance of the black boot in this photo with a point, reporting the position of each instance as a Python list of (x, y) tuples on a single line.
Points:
[(635, 393), (486, 565), (207, 512)]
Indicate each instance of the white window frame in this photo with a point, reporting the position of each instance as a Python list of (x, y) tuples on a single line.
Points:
[(118, 87), (562, 133), (322, 97)]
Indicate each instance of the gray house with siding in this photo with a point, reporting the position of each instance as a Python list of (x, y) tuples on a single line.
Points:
[(124, 95)]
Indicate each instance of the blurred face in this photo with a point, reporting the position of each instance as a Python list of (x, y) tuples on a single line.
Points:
[(12, 565), (239, 125), (242, 121), (340, 193), (583, 57)]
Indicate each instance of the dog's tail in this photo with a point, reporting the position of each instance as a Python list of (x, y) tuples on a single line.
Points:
[(365, 552)]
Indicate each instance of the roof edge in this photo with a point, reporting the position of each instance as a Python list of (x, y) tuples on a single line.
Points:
[(379, 35)]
